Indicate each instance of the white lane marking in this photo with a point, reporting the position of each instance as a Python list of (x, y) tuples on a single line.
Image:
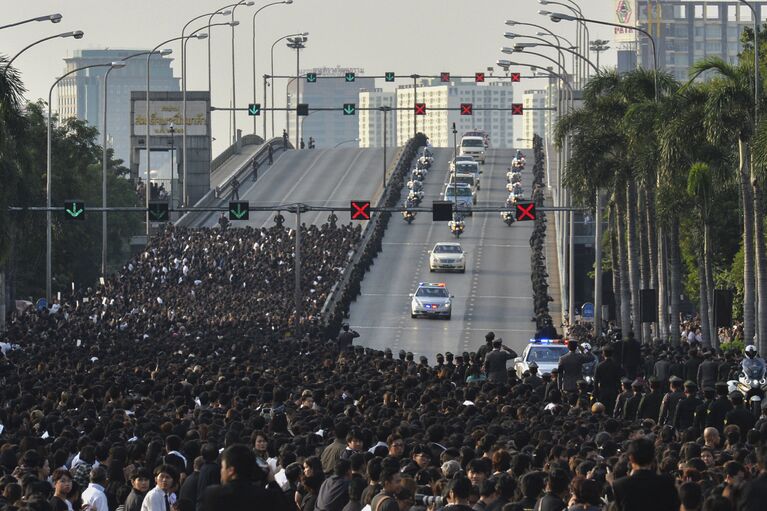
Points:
[(390, 327), (471, 297), (340, 182)]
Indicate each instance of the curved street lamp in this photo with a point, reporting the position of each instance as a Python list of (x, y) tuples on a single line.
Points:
[(53, 18), (49, 165), (271, 52), (248, 3), (77, 34)]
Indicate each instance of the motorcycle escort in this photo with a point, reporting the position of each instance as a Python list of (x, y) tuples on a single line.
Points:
[(409, 215), (752, 380), (415, 197), (457, 226)]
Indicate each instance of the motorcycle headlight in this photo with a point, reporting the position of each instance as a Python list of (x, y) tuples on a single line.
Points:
[(754, 383)]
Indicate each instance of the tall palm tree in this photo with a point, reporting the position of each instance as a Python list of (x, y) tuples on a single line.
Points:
[(728, 119), (700, 187)]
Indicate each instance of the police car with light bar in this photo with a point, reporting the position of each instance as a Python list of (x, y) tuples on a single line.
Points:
[(431, 300), (544, 352)]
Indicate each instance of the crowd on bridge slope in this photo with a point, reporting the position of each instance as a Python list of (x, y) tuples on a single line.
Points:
[(188, 374)]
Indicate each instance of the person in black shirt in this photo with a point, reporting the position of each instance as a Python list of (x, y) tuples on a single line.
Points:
[(719, 408), (649, 406), (684, 415), (607, 379)]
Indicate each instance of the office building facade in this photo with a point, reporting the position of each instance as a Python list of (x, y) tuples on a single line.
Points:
[(371, 122), (328, 128), (80, 94), (438, 124), (534, 118)]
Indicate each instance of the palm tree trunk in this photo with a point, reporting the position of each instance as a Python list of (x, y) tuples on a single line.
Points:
[(614, 256), (705, 324), (652, 247), (662, 286), (675, 278), (761, 261), (748, 244), (623, 264), (633, 256), (644, 254), (709, 275)]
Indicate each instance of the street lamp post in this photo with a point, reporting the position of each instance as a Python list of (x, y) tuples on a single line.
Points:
[(49, 165), (756, 60), (346, 142), (271, 76), (287, 2), (556, 17), (184, 186), (385, 109), (77, 34), (522, 46), (234, 83), (172, 130), (104, 157), (297, 43), (223, 11), (598, 46), (148, 144), (583, 35), (53, 18)]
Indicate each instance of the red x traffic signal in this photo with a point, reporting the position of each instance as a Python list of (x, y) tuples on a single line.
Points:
[(525, 211), (466, 109), (517, 109), (360, 210), (515, 77), (479, 77), (420, 108), (444, 77)]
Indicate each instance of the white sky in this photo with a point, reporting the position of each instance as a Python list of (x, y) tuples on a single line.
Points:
[(405, 36)]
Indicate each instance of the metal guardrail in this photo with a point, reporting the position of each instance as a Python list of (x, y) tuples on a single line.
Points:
[(233, 149)]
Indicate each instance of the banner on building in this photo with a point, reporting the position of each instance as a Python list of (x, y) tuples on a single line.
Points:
[(625, 14), (163, 114)]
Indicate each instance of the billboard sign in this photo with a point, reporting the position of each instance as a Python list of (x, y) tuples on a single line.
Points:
[(164, 113), (625, 14)]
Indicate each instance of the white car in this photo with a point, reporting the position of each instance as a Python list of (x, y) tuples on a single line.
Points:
[(460, 158), (431, 300), (473, 146), (447, 256), (468, 167), (544, 352)]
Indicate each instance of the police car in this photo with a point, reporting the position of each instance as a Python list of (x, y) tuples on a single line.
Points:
[(544, 352), (431, 300)]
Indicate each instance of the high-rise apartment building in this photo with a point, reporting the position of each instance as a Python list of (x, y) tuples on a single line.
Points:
[(371, 122), (685, 31), (328, 128), (438, 124), (534, 117), (80, 94)]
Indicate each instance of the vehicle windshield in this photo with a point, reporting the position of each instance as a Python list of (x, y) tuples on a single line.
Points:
[(432, 292), (473, 142), (469, 180), (447, 249), (463, 191), (466, 167), (546, 354)]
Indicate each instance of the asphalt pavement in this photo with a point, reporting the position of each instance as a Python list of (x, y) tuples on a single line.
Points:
[(317, 177), (494, 294)]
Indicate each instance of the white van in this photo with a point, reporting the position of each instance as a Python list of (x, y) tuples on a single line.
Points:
[(473, 146)]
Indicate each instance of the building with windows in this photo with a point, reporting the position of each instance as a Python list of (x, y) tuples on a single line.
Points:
[(438, 124), (371, 122), (80, 94), (328, 128), (685, 31), (533, 120)]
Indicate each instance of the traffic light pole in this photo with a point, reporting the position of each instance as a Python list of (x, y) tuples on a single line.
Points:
[(415, 101)]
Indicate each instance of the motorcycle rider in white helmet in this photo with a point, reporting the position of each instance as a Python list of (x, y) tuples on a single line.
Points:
[(753, 365), (590, 360)]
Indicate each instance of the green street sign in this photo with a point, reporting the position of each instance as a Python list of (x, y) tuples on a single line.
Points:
[(349, 108), (75, 209), (389, 76), (239, 210), (303, 109), (311, 77), (158, 211), (254, 109), (350, 77)]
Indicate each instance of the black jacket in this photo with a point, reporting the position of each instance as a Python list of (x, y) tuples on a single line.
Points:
[(607, 380), (717, 411), (684, 415), (242, 496), (743, 418), (754, 494), (333, 495), (649, 407), (708, 373), (210, 474), (668, 407), (570, 371), (644, 490), (495, 365)]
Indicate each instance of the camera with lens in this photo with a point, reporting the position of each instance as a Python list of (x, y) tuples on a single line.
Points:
[(429, 500)]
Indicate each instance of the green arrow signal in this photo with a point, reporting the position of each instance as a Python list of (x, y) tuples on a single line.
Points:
[(350, 77), (349, 108), (389, 77), (254, 109), (158, 212), (74, 212), (311, 77), (239, 212)]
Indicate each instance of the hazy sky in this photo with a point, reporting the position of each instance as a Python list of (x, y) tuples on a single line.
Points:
[(405, 36)]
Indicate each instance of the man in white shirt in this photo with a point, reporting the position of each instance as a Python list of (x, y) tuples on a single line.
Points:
[(94, 495), (161, 497)]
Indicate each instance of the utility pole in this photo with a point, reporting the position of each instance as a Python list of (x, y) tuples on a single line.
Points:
[(385, 110), (297, 43), (297, 264)]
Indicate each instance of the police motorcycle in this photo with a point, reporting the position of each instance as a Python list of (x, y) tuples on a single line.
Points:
[(515, 188), (457, 225), (416, 190), (515, 197), (513, 177), (418, 174), (415, 197), (408, 215), (752, 380), (508, 216), (590, 366), (426, 159)]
